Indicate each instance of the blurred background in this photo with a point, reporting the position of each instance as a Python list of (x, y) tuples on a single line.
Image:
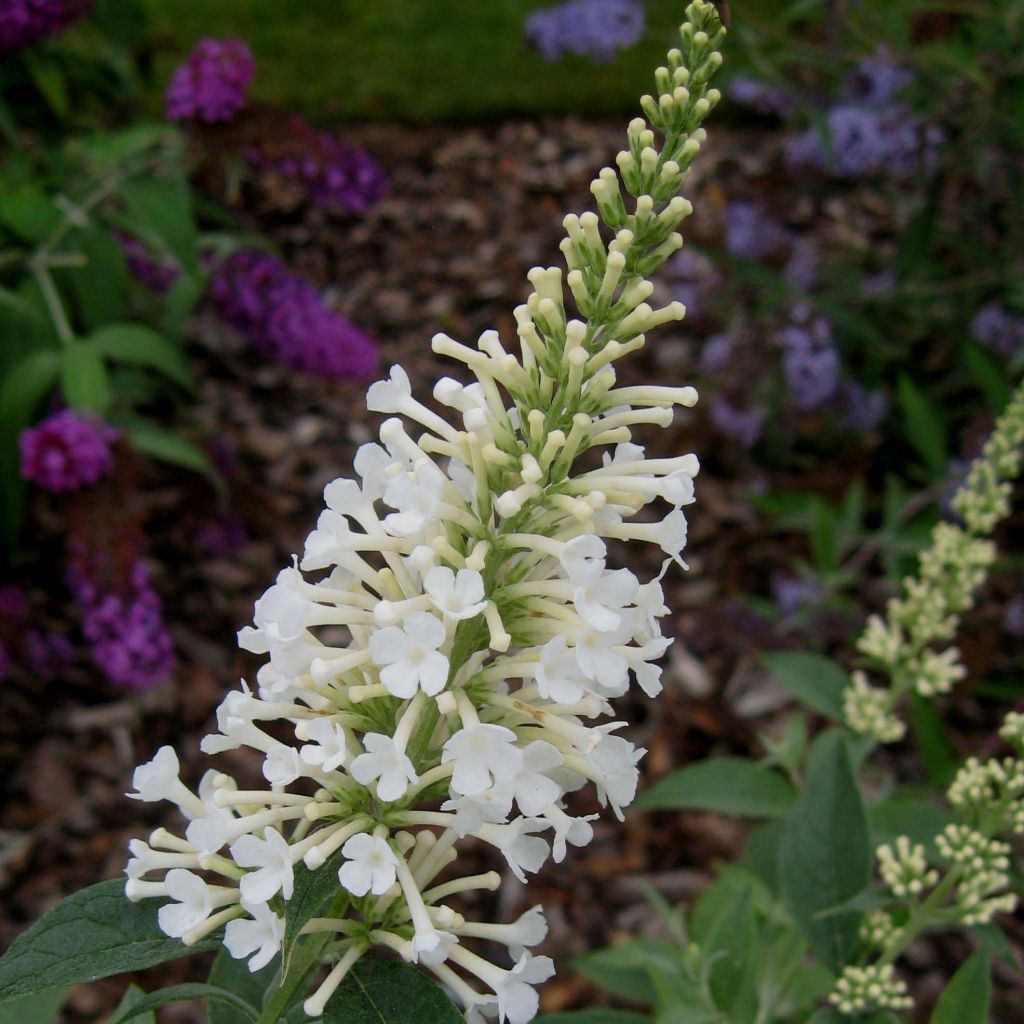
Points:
[(219, 221)]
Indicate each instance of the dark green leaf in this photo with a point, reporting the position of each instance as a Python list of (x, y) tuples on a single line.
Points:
[(726, 785), (932, 737), (235, 976), (733, 937), (990, 375), (622, 969), (965, 999), (815, 681), (161, 208), (41, 1008), (167, 447), (993, 939), (189, 990), (138, 345), (594, 1017), (132, 997), (89, 935), (825, 854), (380, 991), (824, 539), (761, 854), (312, 889), (919, 818), (29, 212), (925, 426), (84, 379), (99, 286), (180, 300), (46, 73)]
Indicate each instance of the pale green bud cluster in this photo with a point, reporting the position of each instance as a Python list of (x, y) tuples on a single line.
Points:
[(927, 613), (1013, 731), (981, 865), (875, 987), (990, 791), (904, 869), (878, 929)]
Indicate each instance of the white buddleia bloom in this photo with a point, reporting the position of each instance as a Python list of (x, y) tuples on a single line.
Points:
[(438, 658)]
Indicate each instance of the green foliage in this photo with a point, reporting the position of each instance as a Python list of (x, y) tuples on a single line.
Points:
[(240, 1009), (817, 682), (41, 1008), (965, 999), (91, 934), (132, 997), (381, 991)]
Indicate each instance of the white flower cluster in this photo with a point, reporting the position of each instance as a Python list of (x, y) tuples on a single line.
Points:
[(875, 987), (440, 654), (951, 569), (980, 868), (904, 868)]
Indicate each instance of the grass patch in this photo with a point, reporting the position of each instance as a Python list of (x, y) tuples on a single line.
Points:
[(417, 60)]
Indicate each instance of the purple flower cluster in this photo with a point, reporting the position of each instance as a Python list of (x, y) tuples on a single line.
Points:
[(810, 363), (861, 410), (588, 28), (791, 593), (285, 318), (750, 232), (995, 327), (47, 655), (126, 632), (332, 172), (742, 425), (689, 277), (66, 451), (22, 22), (157, 275), (762, 97), (870, 130), (211, 85), (222, 536)]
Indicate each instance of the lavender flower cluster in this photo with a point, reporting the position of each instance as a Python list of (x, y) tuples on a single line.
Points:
[(66, 451), (22, 22), (282, 316), (156, 274), (871, 129), (750, 232), (211, 84), (125, 628), (810, 363), (43, 653), (588, 28), (332, 172), (762, 97), (995, 327)]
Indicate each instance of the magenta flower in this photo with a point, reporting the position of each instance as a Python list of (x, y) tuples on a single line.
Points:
[(22, 22), (67, 451), (211, 84)]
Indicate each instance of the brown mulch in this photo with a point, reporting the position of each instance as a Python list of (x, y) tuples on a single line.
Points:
[(468, 212)]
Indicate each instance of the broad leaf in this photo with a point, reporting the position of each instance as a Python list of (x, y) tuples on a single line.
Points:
[(130, 1001), (825, 853), (41, 1008), (29, 212), (90, 935), (167, 447), (235, 976), (189, 990), (138, 345), (733, 939), (84, 378), (726, 785), (99, 286), (965, 999), (817, 682), (622, 969), (594, 1017), (161, 210), (918, 818), (311, 890), (379, 991), (925, 426)]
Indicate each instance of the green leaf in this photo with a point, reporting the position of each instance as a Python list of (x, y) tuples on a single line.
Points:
[(733, 938), (132, 997), (161, 209), (99, 286), (84, 379), (622, 969), (825, 853), (989, 374), (46, 73), (824, 539), (311, 890), (932, 738), (380, 991), (180, 300), (594, 1017), (726, 785), (925, 425), (179, 993), (138, 345), (89, 935), (40, 1008), (919, 818), (965, 999), (29, 212), (817, 682), (167, 447), (235, 976)]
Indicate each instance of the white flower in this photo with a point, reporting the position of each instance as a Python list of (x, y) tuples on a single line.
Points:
[(483, 755), (613, 761), (492, 805), (517, 1000), (522, 850), (601, 599), (281, 765), (558, 673), (209, 833), (411, 656), (533, 789), (193, 906), (157, 779), (389, 395), (416, 495), (384, 763), (530, 929), (271, 856), (370, 867), (328, 748), (583, 558), (456, 595), (601, 663), (431, 947), (262, 934)]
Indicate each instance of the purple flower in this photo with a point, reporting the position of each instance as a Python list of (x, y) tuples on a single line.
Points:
[(763, 97), (742, 425), (332, 172), (127, 636), (750, 233), (13, 605), (861, 410), (810, 363), (1013, 616), (877, 80), (995, 327), (792, 593), (801, 269), (222, 536), (22, 22), (67, 451), (211, 84), (690, 275), (47, 655), (156, 275), (5, 662), (590, 28), (285, 318), (716, 352)]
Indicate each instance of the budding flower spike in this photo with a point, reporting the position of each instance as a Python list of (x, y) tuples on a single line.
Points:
[(440, 653)]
